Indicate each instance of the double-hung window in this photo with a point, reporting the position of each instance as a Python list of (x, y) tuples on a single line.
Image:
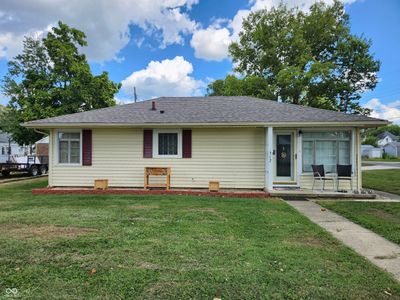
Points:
[(326, 148), (167, 143), (69, 147)]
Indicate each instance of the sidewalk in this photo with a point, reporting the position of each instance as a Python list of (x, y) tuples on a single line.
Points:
[(372, 246)]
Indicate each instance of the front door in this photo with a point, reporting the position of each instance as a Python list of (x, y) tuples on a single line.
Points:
[(284, 157)]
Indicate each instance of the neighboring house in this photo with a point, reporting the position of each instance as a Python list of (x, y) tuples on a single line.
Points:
[(242, 142), (371, 151), (392, 149), (41, 147), (9, 149), (385, 138)]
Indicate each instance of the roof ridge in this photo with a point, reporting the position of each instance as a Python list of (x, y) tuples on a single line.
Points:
[(207, 109)]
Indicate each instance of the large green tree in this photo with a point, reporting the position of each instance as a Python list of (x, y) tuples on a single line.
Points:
[(392, 128), (307, 58), (248, 86), (50, 78)]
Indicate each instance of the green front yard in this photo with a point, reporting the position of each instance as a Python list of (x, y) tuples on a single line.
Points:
[(382, 218), (392, 159), (382, 180), (173, 247)]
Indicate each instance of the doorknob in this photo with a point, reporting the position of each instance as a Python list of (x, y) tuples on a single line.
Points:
[(273, 152)]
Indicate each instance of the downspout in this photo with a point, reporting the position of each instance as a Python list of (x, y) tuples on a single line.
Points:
[(40, 132)]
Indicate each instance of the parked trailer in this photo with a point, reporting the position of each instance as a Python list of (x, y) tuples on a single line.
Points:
[(34, 165)]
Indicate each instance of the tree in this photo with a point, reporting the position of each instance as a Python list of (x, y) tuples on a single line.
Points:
[(370, 140), (392, 128), (306, 58), (233, 86), (50, 78)]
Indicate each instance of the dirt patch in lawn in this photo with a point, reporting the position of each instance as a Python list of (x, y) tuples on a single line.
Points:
[(148, 266), (308, 240), (383, 215), (45, 232), (143, 207), (203, 209)]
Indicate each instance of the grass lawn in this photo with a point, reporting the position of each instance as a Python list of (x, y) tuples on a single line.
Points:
[(173, 247), (394, 159), (382, 218), (382, 180)]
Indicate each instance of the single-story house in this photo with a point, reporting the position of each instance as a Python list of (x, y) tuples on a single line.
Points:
[(242, 142), (370, 151), (385, 138), (392, 149)]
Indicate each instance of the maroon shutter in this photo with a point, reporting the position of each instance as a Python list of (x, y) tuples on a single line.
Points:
[(86, 147), (147, 143), (187, 143)]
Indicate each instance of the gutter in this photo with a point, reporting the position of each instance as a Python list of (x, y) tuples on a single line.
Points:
[(361, 124)]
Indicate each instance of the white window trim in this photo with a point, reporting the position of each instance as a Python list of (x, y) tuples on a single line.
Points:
[(57, 148), (155, 143)]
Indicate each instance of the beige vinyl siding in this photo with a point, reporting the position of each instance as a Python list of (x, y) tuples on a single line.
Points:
[(233, 156)]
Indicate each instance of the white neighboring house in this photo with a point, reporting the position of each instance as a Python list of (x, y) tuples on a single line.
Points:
[(392, 149), (371, 151), (385, 138), (9, 147)]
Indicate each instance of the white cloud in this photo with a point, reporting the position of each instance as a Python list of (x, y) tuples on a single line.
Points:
[(169, 77), (217, 41), (106, 23), (210, 46), (390, 111)]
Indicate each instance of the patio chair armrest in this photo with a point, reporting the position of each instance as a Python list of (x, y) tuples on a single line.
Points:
[(318, 174)]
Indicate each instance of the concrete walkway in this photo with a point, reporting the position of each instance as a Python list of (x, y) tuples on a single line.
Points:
[(372, 246)]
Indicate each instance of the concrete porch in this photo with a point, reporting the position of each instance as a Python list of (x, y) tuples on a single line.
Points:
[(303, 193)]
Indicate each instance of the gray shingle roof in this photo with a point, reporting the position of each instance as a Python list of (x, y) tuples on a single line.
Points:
[(385, 134), (195, 110), (4, 137)]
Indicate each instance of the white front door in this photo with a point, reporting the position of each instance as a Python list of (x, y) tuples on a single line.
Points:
[(285, 158)]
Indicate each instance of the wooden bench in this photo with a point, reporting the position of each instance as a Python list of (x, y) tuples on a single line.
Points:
[(157, 171)]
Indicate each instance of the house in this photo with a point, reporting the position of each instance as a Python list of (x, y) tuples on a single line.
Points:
[(385, 138), (9, 148), (41, 147), (370, 151), (242, 142), (392, 149)]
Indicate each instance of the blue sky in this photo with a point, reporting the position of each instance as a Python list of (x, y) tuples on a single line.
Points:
[(176, 47)]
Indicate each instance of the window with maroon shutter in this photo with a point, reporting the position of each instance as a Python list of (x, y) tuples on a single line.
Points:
[(187, 143), (147, 143), (86, 147)]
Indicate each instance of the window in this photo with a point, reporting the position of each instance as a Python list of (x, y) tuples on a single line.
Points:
[(167, 143), (69, 147), (325, 148), (3, 152)]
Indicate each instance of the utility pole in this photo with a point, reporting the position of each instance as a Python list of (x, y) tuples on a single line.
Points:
[(9, 150), (134, 94)]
